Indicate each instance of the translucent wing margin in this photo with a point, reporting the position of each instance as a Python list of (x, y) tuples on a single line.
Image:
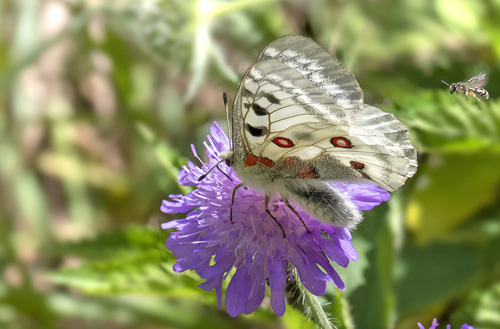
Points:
[(314, 63)]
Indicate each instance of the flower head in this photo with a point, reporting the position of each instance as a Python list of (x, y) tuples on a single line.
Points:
[(212, 242), (435, 324)]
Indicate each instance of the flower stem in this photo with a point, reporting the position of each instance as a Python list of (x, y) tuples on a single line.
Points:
[(342, 310), (312, 304)]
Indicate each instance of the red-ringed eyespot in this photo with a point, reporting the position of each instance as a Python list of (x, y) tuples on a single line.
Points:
[(283, 142), (341, 142)]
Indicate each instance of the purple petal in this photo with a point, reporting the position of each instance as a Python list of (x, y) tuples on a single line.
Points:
[(363, 194), (238, 292), (278, 302), (257, 294), (214, 283)]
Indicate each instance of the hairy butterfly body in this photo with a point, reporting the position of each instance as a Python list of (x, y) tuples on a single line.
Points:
[(299, 122)]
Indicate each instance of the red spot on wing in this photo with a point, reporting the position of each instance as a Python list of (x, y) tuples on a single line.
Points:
[(290, 161), (307, 172), (283, 142), (341, 142), (266, 162), (252, 160), (357, 165)]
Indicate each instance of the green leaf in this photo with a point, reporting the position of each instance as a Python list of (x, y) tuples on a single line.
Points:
[(354, 274), (449, 190), (480, 308), (373, 304), (295, 319), (434, 274), (131, 261)]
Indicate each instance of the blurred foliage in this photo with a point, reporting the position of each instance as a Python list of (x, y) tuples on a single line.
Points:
[(100, 101)]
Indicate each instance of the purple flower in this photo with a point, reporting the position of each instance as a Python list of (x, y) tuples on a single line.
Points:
[(435, 324), (252, 244)]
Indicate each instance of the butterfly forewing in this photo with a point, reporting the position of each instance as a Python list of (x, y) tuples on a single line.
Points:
[(318, 66), (275, 97)]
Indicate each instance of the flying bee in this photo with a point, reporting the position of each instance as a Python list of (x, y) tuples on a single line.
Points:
[(473, 87)]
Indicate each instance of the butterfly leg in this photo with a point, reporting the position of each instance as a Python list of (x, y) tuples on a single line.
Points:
[(296, 213), (232, 202), (274, 218)]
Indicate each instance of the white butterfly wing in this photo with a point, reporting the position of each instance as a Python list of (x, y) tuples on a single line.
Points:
[(294, 67), (326, 152), (274, 97), (299, 121), (318, 66), (278, 102), (379, 122)]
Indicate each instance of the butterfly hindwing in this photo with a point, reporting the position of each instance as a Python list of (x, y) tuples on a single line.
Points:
[(380, 122), (326, 152)]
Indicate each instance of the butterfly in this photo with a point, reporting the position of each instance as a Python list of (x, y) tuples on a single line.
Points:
[(474, 86), (299, 122)]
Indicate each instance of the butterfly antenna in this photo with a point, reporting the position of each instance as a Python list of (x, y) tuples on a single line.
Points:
[(202, 177), (446, 83), (229, 123), (224, 98)]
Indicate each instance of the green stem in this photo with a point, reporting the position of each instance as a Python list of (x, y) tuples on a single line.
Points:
[(312, 304), (343, 310)]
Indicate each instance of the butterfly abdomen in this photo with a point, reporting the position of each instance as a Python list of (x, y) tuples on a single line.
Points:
[(323, 202)]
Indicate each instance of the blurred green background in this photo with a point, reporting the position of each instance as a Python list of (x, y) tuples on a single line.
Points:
[(100, 101)]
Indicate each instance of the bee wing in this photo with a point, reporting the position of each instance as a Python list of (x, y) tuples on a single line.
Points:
[(478, 80)]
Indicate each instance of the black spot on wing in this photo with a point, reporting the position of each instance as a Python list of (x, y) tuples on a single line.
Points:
[(247, 93), (259, 110), (256, 131), (272, 99)]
